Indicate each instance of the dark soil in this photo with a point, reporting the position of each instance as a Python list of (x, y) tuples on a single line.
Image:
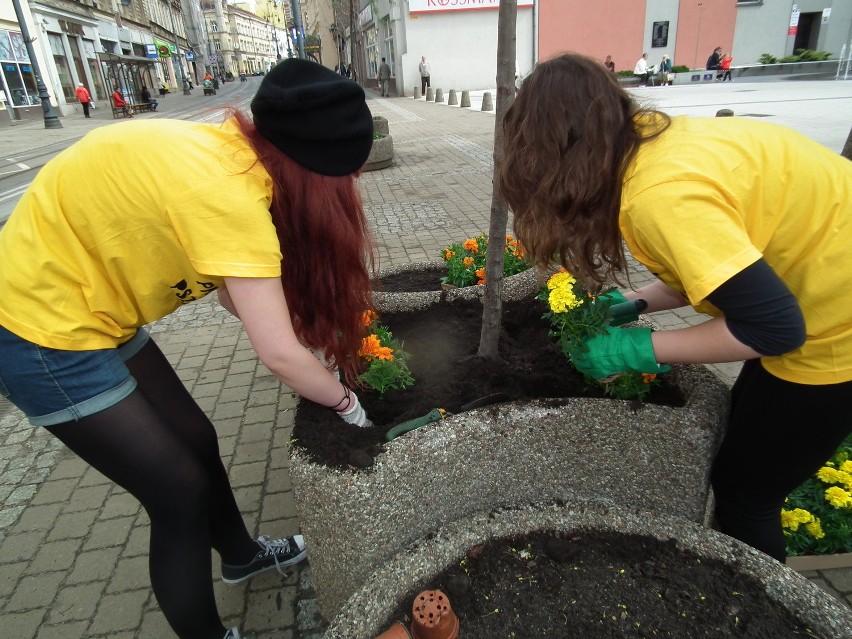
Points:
[(412, 281), (443, 342), (603, 585)]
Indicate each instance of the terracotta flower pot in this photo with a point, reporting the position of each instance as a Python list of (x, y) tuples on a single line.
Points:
[(432, 617)]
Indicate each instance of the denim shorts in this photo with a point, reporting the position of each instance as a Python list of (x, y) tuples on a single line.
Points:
[(53, 386)]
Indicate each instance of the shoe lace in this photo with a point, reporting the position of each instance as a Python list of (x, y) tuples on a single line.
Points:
[(274, 548)]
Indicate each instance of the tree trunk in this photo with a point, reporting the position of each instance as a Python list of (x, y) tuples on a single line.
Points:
[(847, 148), (492, 303)]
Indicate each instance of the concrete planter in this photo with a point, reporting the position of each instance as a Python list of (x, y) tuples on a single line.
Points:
[(381, 153), (517, 287), (507, 454), (368, 611)]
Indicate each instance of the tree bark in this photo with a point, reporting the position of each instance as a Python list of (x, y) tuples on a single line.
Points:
[(492, 303), (847, 148)]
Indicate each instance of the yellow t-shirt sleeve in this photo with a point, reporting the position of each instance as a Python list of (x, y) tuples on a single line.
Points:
[(689, 234)]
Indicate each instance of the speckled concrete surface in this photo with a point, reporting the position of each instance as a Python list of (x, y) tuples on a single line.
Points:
[(367, 613), (506, 454)]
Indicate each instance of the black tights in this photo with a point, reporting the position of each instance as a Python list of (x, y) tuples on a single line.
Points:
[(780, 433), (160, 446)]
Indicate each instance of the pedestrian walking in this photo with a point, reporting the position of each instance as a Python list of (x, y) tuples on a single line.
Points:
[(425, 75), (88, 263), (84, 98), (775, 273), (384, 77)]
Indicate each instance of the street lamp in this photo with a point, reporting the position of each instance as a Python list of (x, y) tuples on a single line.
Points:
[(51, 121)]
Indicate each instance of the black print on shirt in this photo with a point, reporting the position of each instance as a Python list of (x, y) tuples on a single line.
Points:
[(186, 294)]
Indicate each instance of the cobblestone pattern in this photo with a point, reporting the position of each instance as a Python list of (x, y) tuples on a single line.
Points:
[(73, 547)]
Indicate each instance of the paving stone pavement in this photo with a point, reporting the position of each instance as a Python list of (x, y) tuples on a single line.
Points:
[(73, 547)]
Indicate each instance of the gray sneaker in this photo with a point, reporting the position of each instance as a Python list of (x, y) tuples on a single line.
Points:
[(273, 553)]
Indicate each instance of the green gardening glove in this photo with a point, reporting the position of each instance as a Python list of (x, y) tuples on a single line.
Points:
[(620, 310), (615, 351)]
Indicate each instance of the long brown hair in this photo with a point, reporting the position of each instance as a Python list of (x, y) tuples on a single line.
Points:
[(328, 252), (569, 138)]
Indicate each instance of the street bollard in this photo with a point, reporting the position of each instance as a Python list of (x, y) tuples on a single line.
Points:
[(487, 104), (453, 100), (465, 102), (429, 94), (724, 113), (416, 93), (439, 95)]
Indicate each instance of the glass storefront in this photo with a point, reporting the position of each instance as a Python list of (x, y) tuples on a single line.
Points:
[(19, 85)]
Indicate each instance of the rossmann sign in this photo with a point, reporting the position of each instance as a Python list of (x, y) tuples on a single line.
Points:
[(432, 6)]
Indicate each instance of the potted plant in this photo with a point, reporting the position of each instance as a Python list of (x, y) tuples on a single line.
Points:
[(817, 516), (610, 572)]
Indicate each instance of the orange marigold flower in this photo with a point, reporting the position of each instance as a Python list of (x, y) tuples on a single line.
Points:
[(371, 348), (508, 239), (519, 251), (448, 255), (468, 262), (471, 245), (647, 378), (369, 317)]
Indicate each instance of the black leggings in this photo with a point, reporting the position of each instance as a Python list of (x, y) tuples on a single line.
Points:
[(160, 446), (780, 433)]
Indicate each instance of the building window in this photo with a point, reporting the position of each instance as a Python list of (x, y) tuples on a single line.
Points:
[(372, 53), (61, 62), (18, 80), (390, 50)]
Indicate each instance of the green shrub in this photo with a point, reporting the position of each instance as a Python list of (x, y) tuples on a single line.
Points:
[(680, 68), (800, 55)]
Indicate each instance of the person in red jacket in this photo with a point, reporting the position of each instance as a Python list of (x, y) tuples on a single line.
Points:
[(121, 103), (725, 66), (84, 98)]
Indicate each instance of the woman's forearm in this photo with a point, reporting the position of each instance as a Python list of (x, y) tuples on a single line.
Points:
[(660, 297), (708, 343)]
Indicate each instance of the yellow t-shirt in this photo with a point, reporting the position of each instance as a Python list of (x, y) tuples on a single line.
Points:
[(711, 196), (129, 223)]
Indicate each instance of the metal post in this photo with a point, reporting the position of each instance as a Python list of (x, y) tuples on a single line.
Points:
[(51, 120), (186, 89), (297, 22)]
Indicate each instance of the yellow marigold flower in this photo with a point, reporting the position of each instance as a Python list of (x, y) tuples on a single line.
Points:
[(471, 245), (468, 262), (815, 529), (791, 519), (561, 279), (846, 466), (561, 299), (448, 255), (838, 497), (832, 475), (369, 317)]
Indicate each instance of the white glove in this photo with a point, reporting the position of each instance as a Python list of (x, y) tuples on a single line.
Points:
[(355, 414)]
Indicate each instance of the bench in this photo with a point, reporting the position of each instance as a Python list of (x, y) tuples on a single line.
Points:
[(142, 106)]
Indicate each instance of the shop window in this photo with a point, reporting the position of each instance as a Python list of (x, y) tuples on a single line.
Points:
[(372, 53), (62, 68)]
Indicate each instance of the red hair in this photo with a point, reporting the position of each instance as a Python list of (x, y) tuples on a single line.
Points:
[(328, 252)]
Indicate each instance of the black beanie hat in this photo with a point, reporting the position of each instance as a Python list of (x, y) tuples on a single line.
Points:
[(315, 116)]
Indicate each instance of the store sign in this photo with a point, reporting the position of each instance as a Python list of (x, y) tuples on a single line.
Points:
[(151, 51), (165, 49), (190, 55), (794, 21), (435, 6)]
